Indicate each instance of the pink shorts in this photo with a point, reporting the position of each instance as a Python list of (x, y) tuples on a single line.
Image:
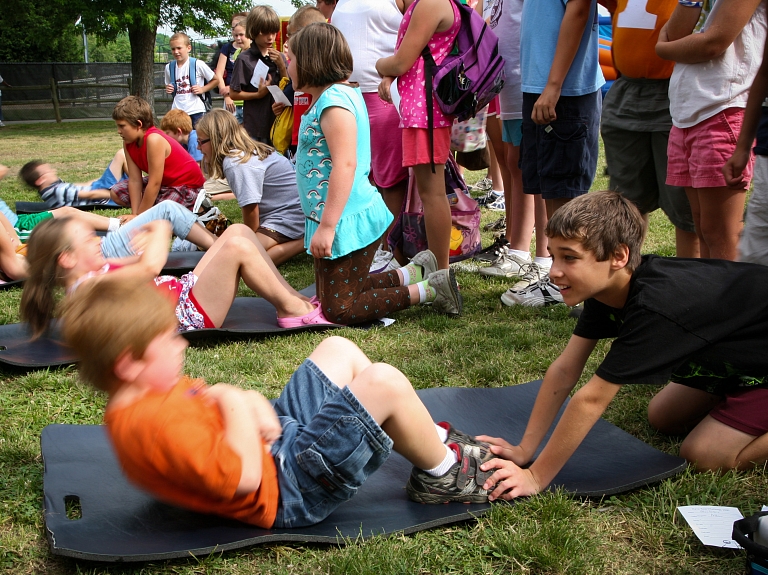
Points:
[(493, 107), (416, 146), (387, 146), (696, 155)]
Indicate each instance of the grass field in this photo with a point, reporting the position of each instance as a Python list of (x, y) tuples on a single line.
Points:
[(491, 345)]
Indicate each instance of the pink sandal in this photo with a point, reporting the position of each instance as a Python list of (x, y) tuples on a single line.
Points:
[(315, 317)]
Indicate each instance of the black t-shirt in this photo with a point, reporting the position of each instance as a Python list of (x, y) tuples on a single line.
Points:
[(701, 323), (761, 145), (257, 114)]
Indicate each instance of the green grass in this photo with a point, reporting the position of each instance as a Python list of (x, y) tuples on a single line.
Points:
[(491, 345)]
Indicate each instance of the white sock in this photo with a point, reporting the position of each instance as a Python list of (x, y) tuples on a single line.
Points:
[(448, 462), (406, 276), (498, 193), (114, 224), (422, 292), (442, 433), (520, 253), (543, 262)]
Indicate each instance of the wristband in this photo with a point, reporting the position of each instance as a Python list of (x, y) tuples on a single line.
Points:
[(691, 3)]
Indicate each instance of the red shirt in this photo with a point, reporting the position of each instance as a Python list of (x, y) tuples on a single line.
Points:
[(180, 168)]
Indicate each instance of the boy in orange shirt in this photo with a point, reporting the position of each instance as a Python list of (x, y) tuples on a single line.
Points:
[(224, 450)]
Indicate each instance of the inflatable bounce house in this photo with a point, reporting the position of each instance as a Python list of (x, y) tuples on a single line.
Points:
[(606, 59)]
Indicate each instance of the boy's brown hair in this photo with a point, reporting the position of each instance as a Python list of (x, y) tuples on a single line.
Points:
[(322, 56), (180, 36), (133, 110), (303, 17), (261, 20), (30, 173), (601, 222), (175, 120), (105, 318)]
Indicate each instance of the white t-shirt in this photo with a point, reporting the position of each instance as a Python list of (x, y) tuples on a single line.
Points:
[(370, 28), (505, 22), (185, 100), (699, 91)]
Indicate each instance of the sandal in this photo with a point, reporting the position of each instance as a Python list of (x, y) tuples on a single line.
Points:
[(315, 317)]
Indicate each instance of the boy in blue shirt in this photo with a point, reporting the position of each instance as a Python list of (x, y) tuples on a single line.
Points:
[(178, 125), (561, 80)]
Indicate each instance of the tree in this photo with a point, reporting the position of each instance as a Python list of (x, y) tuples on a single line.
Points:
[(141, 18), (39, 31)]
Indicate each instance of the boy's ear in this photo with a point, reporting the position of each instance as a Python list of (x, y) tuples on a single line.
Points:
[(620, 257), (127, 368)]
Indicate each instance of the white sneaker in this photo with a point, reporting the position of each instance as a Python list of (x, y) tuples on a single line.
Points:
[(538, 294), (530, 273), (506, 265), (180, 245), (2, 124), (497, 205), (383, 261)]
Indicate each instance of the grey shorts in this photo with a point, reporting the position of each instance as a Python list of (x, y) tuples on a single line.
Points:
[(753, 246), (635, 129)]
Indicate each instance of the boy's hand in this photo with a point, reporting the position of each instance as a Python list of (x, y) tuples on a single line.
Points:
[(510, 481), (544, 108), (322, 242), (277, 58), (733, 170), (229, 103), (277, 108), (505, 450), (224, 91), (125, 218), (197, 89), (169, 89)]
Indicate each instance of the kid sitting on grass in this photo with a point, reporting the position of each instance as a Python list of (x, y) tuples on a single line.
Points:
[(172, 174), (225, 450), (56, 193), (700, 324), (178, 125)]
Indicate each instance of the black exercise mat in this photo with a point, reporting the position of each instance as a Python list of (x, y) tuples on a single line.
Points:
[(179, 263), (37, 207), (10, 284), (247, 316), (121, 523)]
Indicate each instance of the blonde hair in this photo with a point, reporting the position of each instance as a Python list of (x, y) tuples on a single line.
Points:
[(322, 56), (228, 139), (104, 319), (180, 36), (601, 222), (49, 239), (262, 20), (133, 110), (176, 120), (303, 17)]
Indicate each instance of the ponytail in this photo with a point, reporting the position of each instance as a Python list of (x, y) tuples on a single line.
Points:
[(38, 300)]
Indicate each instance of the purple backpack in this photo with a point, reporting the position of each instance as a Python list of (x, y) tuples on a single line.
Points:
[(470, 76)]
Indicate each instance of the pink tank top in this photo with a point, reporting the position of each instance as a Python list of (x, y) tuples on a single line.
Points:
[(411, 86), (180, 168)]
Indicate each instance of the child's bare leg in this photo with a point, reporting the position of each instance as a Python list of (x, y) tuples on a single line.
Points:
[(200, 236), (388, 396), (280, 253), (720, 221), (99, 223), (677, 408), (117, 165), (437, 212), (713, 445), (235, 256)]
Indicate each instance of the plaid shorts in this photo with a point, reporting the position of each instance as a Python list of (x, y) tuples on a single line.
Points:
[(183, 195)]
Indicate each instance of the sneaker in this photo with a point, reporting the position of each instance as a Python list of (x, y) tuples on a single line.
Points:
[(486, 199), (462, 483), (448, 299), (427, 261), (497, 205), (537, 294), (496, 225), (479, 448), (490, 253), (506, 265), (2, 124), (529, 273), (383, 261), (180, 245), (483, 186)]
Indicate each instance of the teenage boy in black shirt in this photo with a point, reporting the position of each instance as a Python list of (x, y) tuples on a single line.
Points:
[(700, 324)]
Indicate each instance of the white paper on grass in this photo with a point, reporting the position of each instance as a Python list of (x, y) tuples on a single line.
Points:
[(260, 72), (278, 95), (712, 524)]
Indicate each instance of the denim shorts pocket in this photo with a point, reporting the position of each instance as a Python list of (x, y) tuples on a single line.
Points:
[(338, 460), (563, 149)]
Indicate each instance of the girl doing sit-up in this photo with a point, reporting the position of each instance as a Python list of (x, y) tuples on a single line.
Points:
[(64, 253)]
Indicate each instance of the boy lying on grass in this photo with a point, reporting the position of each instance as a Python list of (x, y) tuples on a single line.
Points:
[(700, 324), (224, 450)]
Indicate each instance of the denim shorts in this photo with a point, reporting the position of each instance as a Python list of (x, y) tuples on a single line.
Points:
[(559, 160), (329, 447)]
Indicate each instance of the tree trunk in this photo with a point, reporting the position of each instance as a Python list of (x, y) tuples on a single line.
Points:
[(142, 60)]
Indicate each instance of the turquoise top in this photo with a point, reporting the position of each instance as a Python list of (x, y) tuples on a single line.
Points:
[(365, 217)]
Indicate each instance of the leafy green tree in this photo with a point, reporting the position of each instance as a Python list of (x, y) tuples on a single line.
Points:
[(39, 31), (141, 18), (100, 50)]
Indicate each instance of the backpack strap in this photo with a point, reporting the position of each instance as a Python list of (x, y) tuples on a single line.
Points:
[(172, 74), (429, 65)]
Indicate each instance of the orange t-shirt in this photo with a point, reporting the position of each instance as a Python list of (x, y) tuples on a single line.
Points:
[(172, 444), (636, 26)]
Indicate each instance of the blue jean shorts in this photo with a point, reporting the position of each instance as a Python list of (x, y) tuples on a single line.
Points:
[(559, 160), (329, 447)]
